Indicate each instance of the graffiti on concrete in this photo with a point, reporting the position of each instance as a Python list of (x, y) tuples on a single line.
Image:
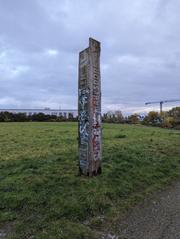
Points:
[(96, 103), (96, 138), (89, 103), (83, 115)]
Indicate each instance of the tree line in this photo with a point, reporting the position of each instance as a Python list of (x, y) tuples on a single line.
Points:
[(168, 119), (40, 117)]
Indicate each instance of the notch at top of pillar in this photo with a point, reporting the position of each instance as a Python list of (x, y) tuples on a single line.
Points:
[(94, 44)]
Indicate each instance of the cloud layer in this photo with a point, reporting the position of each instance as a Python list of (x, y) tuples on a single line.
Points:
[(40, 41)]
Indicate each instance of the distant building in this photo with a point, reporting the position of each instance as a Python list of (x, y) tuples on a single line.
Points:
[(47, 111)]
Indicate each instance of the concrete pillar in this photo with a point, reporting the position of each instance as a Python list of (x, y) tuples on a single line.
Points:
[(89, 110)]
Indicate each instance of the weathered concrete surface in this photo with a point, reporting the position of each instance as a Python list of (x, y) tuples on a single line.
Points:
[(155, 218), (89, 109)]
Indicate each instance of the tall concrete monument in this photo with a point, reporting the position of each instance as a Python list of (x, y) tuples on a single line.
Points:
[(89, 109)]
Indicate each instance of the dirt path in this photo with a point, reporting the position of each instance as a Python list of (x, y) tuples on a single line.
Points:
[(155, 218)]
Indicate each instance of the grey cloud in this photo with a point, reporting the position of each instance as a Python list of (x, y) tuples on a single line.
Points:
[(140, 51)]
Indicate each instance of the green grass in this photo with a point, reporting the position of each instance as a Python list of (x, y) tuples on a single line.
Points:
[(41, 194)]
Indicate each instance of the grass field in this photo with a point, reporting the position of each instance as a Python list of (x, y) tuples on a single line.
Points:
[(42, 196)]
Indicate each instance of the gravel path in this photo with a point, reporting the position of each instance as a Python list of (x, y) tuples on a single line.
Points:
[(156, 218), (5, 230)]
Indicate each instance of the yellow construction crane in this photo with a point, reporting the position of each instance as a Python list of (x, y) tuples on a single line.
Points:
[(161, 103)]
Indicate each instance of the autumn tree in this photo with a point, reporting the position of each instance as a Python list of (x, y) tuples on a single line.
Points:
[(134, 119), (153, 118)]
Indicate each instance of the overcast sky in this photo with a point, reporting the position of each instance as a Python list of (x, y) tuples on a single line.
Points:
[(40, 41)]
